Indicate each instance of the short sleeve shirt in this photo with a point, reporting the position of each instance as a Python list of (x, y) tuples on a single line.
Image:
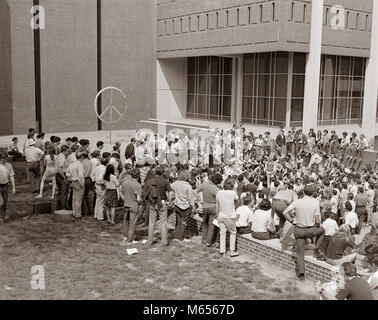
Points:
[(226, 202), (306, 209), (6, 171)]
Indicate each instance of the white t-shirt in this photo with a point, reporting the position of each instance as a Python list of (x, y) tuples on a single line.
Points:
[(351, 219), (245, 216), (261, 220), (330, 227), (33, 154), (226, 203)]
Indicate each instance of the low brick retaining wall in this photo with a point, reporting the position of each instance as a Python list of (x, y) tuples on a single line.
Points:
[(271, 250)]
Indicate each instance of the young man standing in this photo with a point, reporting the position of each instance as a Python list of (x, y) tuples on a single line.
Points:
[(6, 175), (155, 191), (307, 225), (132, 191), (61, 178), (76, 173)]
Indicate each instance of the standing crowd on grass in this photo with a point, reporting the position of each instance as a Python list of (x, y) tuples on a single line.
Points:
[(309, 190)]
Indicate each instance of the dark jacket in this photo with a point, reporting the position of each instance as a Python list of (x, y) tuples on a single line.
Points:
[(130, 152)]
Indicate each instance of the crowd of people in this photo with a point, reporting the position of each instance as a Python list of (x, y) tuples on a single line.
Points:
[(309, 190)]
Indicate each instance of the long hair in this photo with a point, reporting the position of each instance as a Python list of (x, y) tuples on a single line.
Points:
[(108, 172), (52, 152)]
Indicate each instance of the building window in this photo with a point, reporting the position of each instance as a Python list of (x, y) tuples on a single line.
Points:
[(297, 91), (265, 79), (341, 91), (209, 88)]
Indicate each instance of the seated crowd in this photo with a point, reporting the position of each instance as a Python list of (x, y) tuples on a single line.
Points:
[(307, 190)]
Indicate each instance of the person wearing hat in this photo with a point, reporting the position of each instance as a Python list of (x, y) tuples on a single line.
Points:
[(6, 175), (33, 157), (307, 221), (13, 150)]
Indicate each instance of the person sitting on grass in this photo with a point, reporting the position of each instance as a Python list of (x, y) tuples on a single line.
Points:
[(341, 247), (13, 150), (356, 288), (262, 222), (244, 216)]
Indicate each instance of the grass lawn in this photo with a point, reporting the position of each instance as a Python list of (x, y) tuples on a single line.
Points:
[(81, 263)]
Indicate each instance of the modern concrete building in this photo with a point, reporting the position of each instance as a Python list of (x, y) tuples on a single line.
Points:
[(266, 63), (269, 63)]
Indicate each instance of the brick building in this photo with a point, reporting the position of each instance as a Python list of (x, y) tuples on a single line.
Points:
[(267, 63)]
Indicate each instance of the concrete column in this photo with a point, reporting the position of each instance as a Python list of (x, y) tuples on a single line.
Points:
[(289, 89), (239, 90), (234, 88), (311, 94), (371, 80)]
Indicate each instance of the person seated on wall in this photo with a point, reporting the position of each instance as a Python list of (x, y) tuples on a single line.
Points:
[(355, 287), (262, 222), (341, 247), (13, 150), (244, 216), (363, 264), (330, 226)]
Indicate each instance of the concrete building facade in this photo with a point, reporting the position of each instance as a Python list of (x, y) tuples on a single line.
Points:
[(266, 63), (289, 63)]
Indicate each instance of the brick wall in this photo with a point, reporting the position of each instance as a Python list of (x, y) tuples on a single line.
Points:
[(129, 56), (317, 270), (16, 67), (69, 65)]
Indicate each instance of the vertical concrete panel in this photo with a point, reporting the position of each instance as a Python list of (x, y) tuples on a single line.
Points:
[(129, 56), (69, 65), (17, 107)]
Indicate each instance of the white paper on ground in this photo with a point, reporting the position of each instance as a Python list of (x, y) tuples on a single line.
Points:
[(132, 251), (216, 223)]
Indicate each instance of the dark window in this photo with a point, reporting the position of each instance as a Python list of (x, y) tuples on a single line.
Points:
[(341, 90), (209, 88), (265, 81)]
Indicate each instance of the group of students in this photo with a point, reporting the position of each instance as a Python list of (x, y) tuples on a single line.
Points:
[(302, 189)]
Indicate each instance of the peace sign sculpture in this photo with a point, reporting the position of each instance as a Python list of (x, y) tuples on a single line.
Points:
[(111, 108)]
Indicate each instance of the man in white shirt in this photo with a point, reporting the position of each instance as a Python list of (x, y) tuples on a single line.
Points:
[(6, 175), (244, 217), (97, 177), (351, 217), (76, 175), (140, 154), (33, 157)]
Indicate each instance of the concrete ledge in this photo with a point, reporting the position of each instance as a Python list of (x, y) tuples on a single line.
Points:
[(271, 250)]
